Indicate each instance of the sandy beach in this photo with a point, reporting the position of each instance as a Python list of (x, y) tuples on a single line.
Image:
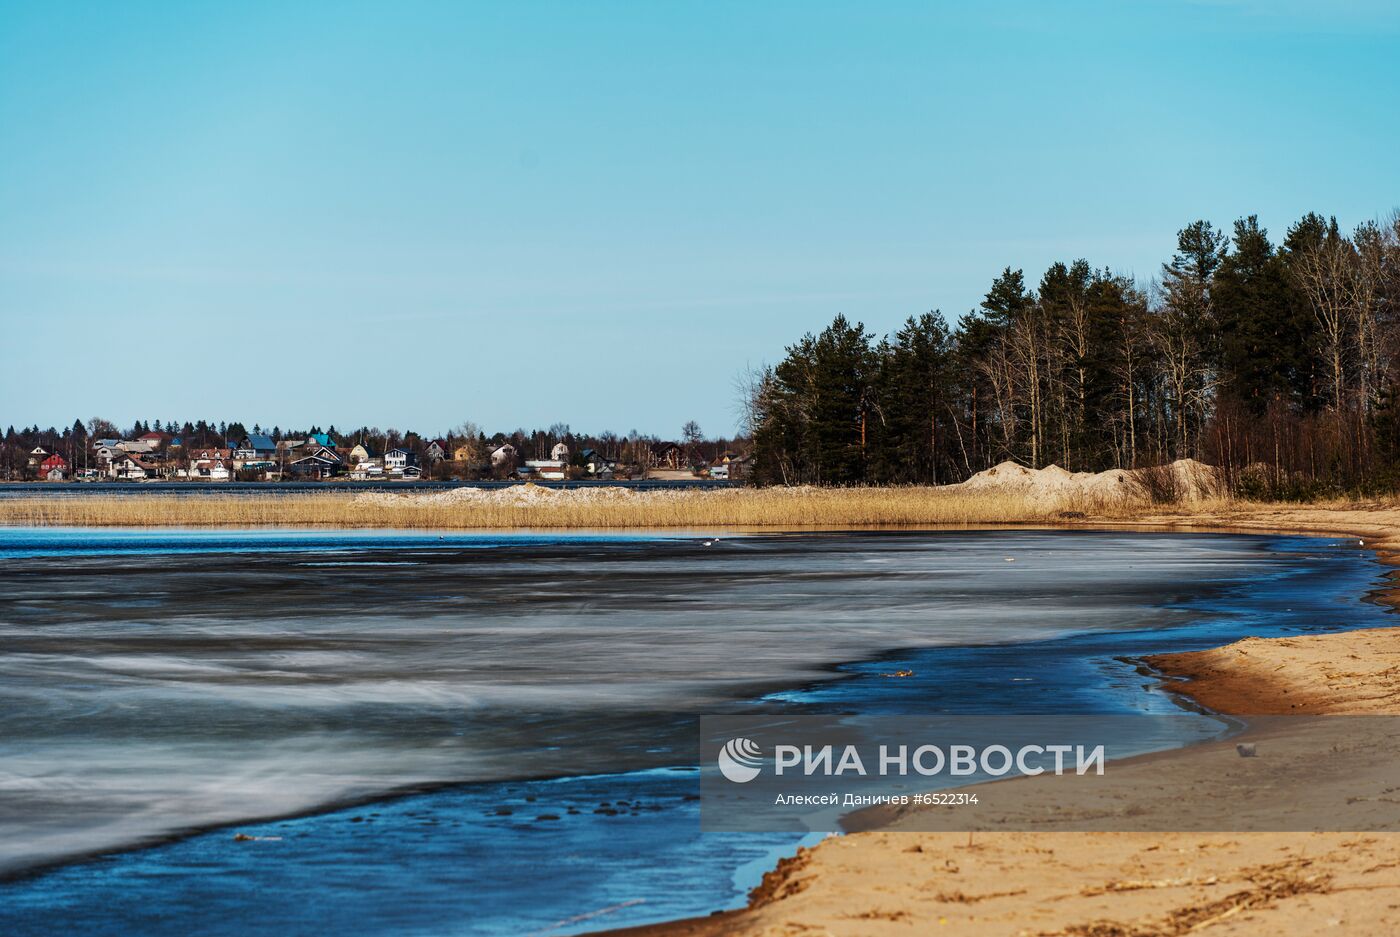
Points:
[(1043, 881)]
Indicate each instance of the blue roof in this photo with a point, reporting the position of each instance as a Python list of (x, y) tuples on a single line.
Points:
[(322, 439), (260, 441)]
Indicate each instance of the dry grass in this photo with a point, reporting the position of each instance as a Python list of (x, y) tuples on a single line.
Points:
[(530, 506), (533, 507)]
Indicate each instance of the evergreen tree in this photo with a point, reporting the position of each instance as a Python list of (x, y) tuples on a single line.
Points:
[(1264, 341), (914, 388)]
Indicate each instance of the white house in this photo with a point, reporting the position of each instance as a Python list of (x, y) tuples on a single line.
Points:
[(503, 455), (211, 465), (126, 466), (547, 468), (560, 452), (396, 460)]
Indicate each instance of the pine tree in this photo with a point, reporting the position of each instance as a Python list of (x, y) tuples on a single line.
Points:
[(1264, 341)]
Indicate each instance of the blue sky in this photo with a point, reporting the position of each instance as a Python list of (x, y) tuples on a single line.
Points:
[(415, 214)]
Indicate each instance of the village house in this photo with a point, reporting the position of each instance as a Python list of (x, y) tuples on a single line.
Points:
[(256, 447), (398, 459), (124, 466), (551, 469), (504, 456), (597, 464), (319, 439), (667, 455), (411, 473), (54, 468), (143, 445), (105, 450), (367, 469), (256, 452), (210, 465), (560, 452), (37, 455), (324, 462), (466, 452), (436, 450), (730, 467), (359, 453)]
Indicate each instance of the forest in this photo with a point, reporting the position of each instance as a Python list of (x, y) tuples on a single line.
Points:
[(1280, 363)]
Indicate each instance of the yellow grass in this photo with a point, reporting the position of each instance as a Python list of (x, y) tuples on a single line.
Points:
[(610, 508)]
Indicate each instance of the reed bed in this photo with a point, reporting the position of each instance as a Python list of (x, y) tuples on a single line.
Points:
[(534, 507)]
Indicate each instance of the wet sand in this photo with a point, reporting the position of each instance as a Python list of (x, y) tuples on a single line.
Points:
[(1040, 881), (888, 880)]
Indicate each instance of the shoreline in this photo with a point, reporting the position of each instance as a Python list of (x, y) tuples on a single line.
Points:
[(829, 888), (775, 889)]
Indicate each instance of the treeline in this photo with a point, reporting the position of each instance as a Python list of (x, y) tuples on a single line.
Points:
[(1278, 362), (75, 442)]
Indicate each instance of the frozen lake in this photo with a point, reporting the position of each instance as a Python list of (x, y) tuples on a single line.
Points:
[(154, 684)]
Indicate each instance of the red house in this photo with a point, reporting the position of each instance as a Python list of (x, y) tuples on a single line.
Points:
[(54, 468)]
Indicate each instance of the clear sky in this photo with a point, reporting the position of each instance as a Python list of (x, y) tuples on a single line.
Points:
[(414, 214)]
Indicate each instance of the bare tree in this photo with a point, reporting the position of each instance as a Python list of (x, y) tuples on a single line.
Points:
[(1377, 264), (999, 371), (1174, 334), (748, 390), (1326, 274)]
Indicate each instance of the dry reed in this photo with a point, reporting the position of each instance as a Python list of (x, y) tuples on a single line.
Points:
[(533, 507)]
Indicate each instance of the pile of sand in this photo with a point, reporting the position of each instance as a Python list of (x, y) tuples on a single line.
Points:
[(1184, 480)]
